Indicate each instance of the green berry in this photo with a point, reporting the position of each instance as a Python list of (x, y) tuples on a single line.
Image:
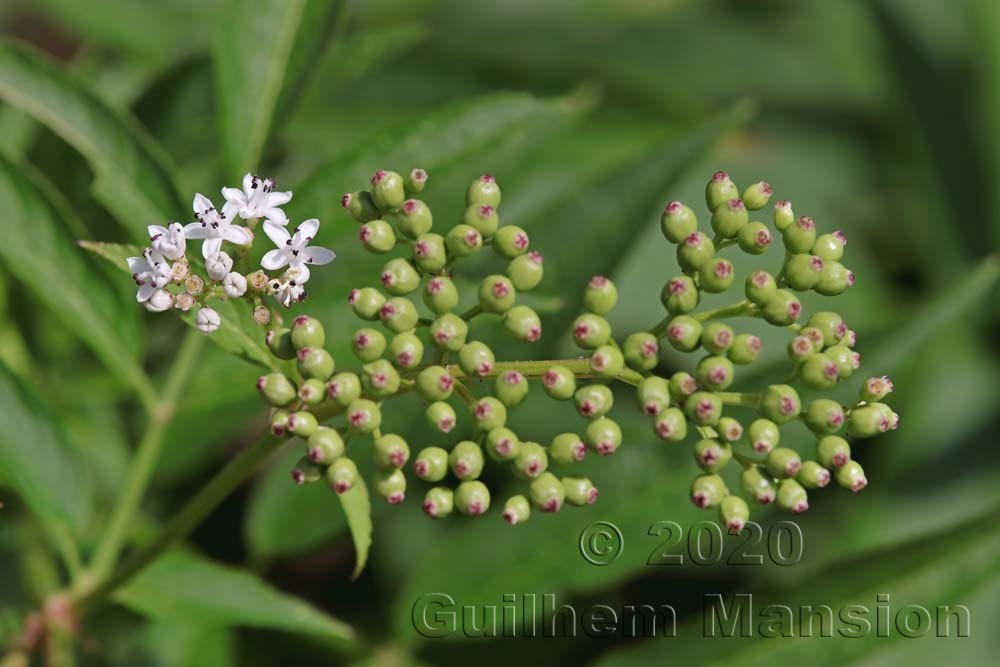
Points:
[(591, 331), (399, 314), (780, 403), (547, 493), (607, 361), (641, 351), (604, 436), (684, 333), (579, 491), (415, 181), (344, 388), (801, 348), (441, 416), (406, 350), (440, 295), (496, 294), (483, 190), (871, 419), (476, 358), (312, 391), (830, 324), (307, 332), (463, 240), (729, 429), (523, 323), (360, 205), (733, 513), (745, 350), (680, 295), (717, 337), (502, 444), (802, 272), (800, 236), (526, 271), (812, 475), (276, 389), (729, 217), (677, 222), (707, 491), (653, 394), (511, 387), (712, 455), (483, 218), (368, 344), (716, 275), (325, 446), (875, 389), (449, 332), (306, 471), (559, 382), (510, 241), (567, 448), (388, 191), (714, 372), (600, 296), (824, 417), (439, 502), (703, 408), (366, 302), (380, 378), (466, 460), (670, 425), (593, 400), (754, 238), (830, 246), (682, 385), (399, 277), (413, 218), (757, 195), (834, 280), (431, 464), (315, 362), (783, 215), (814, 335), (279, 342), (763, 435), (833, 451), (695, 250), (489, 413), (792, 497), (391, 451), (757, 486), (342, 475), (302, 424), (783, 462), (377, 236), (819, 371), (516, 510), (472, 498), (720, 190), (429, 252), (851, 476), (531, 460), (783, 308), (760, 287), (363, 416), (847, 360), (391, 485)]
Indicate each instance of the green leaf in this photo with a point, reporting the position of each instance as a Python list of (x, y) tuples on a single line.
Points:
[(262, 48), (358, 510), (36, 250), (181, 642), (131, 177), (182, 585)]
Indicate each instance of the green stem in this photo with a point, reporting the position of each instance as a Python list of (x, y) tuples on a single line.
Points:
[(471, 312), (746, 400), (741, 308), (465, 394), (146, 456), (536, 369)]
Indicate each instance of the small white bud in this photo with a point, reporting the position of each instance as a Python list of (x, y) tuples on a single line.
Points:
[(194, 284), (207, 320), (235, 285), (160, 301), (179, 271), (219, 266), (184, 302), (262, 316)]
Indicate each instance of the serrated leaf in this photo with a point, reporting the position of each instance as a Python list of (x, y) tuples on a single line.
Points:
[(131, 179), (182, 585)]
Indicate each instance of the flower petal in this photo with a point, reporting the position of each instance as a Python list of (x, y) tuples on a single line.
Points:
[(273, 260), (156, 230), (278, 234), (145, 291), (308, 229), (275, 215), (195, 230), (211, 247), (201, 204), (238, 235), (234, 195), (138, 265), (318, 255), (247, 183), (275, 199)]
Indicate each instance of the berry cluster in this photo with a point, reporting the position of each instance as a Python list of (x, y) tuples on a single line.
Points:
[(415, 356)]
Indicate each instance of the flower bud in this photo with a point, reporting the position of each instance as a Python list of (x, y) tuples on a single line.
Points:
[(276, 389), (344, 388), (307, 332), (194, 284), (502, 444), (757, 195), (847, 361), (302, 423), (510, 241), (185, 302), (218, 266), (600, 296), (306, 472), (483, 218), (207, 320), (801, 348), (711, 455), (547, 493), (824, 417), (413, 218), (463, 240), (476, 358), (875, 389), (435, 383), (279, 342), (591, 331), (431, 464), (439, 502), (234, 285), (593, 400), (312, 391), (604, 436), (783, 462), (729, 217), (261, 314), (180, 270), (833, 451), (483, 190), (783, 215), (682, 385), (792, 497), (677, 222), (802, 272), (869, 420), (695, 250), (607, 361), (707, 491), (440, 295), (526, 271), (325, 446), (754, 238), (830, 246), (415, 181), (703, 408), (783, 308), (429, 252), (720, 190), (760, 287), (717, 337), (780, 403), (757, 486), (653, 394), (800, 236), (714, 372), (399, 277), (745, 350), (496, 294), (531, 460), (834, 279), (398, 314), (342, 475), (511, 387), (489, 413), (812, 475), (472, 498), (733, 513), (387, 189), (380, 378), (684, 333), (729, 429), (819, 371), (315, 362), (716, 275), (680, 295), (670, 425), (360, 206), (377, 236), (363, 416), (406, 350), (523, 323), (466, 460), (449, 332), (763, 435), (391, 485), (516, 510), (441, 416), (559, 382), (279, 423), (567, 448), (851, 476)]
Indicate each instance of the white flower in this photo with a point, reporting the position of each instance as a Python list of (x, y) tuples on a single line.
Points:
[(235, 285), (150, 272), (218, 266), (207, 320), (159, 301), (215, 227), (168, 241), (293, 250), (184, 301), (257, 200), (289, 288)]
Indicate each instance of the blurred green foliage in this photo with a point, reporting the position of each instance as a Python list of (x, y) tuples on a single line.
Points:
[(879, 117)]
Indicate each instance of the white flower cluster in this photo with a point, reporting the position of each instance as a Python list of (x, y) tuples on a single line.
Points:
[(164, 262)]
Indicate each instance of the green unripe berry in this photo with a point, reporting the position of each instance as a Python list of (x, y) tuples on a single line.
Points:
[(511, 387), (757, 486), (523, 323), (707, 491), (754, 238), (801, 348), (363, 416), (734, 514), (600, 296), (802, 272), (670, 425), (712, 455), (439, 502), (366, 302), (680, 295), (684, 333), (476, 358), (559, 382), (531, 460), (360, 206), (387, 189), (325, 446), (729, 217), (717, 337), (607, 361), (800, 236), (391, 451), (833, 451), (591, 331), (814, 335), (830, 324), (593, 400), (279, 342), (307, 332), (368, 344), (694, 251), (830, 246), (380, 378), (871, 419), (834, 279), (391, 485), (720, 190), (441, 416), (342, 475), (760, 287), (792, 497), (276, 389), (757, 195), (682, 385), (415, 181), (344, 388), (567, 448), (716, 275), (729, 429), (579, 491), (463, 240), (783, 215), (429, 252), (302, 424), (502, 444), (641, 351), (516, 510), (399, 314), (510, 241), (483, 190), (489, 413), (449, 332), (496, 294), (677, 222), (431, 464), (472, 498), (812, 475), (703, 408), (783, 308), (526, 271), (315, 362), (377, 236), (413, 218), (780, 403), (440, 295), (466, 460), (875, 389), (653, 395), (483, 218), (819, 371), (279, 423), (824, 417), (783, 462), (845, 358), (312, 391), (851, 476), (745, 350), (306, 471), (547, 493), (604, 436), (714, 372), (763, 435), (399, 277), (406, 350)]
